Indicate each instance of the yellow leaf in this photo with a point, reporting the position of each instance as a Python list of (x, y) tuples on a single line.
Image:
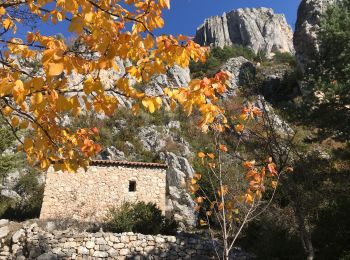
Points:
[(55, 69), (274, 184), (159, 21), (149, 42), (76, 25), (88, 16), (24, 124), (198, 176), (36, 98), (59, 16), (7, 110), (193, 181), (15, 121), (201, 155), (164, 3), (19, 92), (239, 128), (2, 10), (28, 144), (7, 23), (203, 222)]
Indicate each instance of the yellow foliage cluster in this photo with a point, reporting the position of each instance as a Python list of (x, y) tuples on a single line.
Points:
[(107, 29)]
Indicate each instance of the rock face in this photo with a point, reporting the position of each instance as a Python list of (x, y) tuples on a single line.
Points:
[(256, 28), (241, 70), (179, 203), (175, 77), (305, 35)]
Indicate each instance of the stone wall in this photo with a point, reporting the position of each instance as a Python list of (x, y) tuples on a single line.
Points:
[(32, 242), (87, 196)]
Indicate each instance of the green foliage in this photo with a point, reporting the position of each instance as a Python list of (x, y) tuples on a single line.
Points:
[(139, 218), (8, 161), (217, 57), (120, 219), (31, 193), (331, 235), (284, 58), (334, 37), (271, 237), (331, 71)]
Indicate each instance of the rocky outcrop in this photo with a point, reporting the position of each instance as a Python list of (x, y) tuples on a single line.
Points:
[(241, 69), (157, 139), (256, 28), (305, 35), (180, 204), (175, 77)]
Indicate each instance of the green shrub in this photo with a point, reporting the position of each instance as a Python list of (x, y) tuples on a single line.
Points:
[(120, 219), (284, 58), (29, 206), (140, 217), (217, 57)]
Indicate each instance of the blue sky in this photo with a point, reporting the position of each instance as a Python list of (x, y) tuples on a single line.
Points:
[(186, 15)]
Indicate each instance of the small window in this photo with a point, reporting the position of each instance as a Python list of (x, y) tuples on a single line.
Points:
[(132, 186)]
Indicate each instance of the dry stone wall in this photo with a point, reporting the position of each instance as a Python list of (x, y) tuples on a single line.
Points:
[(32, 242), (87, 196)]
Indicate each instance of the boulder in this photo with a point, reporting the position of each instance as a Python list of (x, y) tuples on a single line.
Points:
[(305, 34), (17, 235), (112, 154), (3, 222), (4, 231), (256, 28), (179, 170), (180, 205)]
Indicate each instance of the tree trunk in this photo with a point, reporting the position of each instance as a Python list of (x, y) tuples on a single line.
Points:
[(305, 235)]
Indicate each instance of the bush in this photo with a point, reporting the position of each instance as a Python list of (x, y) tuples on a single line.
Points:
[(217, 57), (29, 206), (284, 58), (139, 218)]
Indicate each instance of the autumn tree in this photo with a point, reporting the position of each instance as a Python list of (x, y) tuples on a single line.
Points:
[(239, 188), (105, 30)]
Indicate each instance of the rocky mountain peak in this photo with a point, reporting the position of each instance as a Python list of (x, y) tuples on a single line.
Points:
[(256, 28)]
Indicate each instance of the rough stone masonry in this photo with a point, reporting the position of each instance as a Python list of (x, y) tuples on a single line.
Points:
[(32, 242), (87, 196)]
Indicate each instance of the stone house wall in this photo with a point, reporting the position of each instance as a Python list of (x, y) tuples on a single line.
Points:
[(87, 196), (32, 242)]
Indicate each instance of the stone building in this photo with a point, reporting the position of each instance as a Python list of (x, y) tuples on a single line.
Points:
[(87, 196)]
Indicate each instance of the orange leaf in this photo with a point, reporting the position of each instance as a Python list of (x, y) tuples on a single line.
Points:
[(211, 155), (249, 164), (223, 148), (198, 176), (201, 155)]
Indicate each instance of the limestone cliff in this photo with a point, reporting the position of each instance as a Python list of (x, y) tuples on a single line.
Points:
[(256, 28), (305, 35)]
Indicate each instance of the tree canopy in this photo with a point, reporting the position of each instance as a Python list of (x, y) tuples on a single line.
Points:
[(105, 30)]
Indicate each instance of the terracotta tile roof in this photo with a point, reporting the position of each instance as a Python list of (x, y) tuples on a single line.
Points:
[(126, 163)]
